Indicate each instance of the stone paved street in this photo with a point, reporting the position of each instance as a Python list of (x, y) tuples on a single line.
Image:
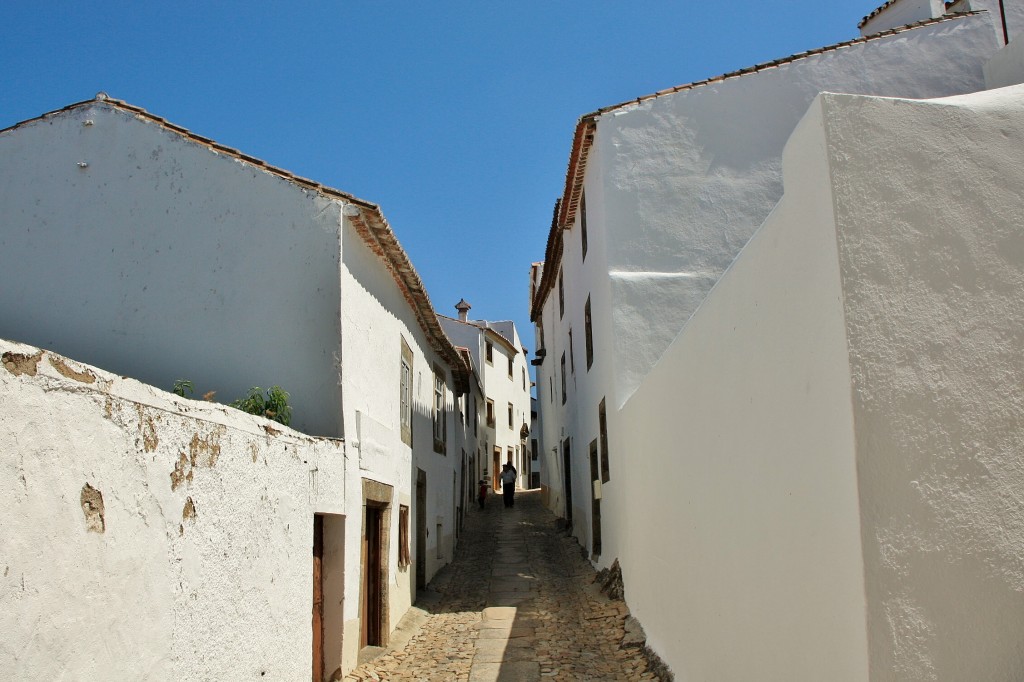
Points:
[(518, 603)]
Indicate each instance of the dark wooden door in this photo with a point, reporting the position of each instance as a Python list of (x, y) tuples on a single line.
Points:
[(318, 598), (567, 479), (371, 578), (497, 469), (595, 502), (421, 529)]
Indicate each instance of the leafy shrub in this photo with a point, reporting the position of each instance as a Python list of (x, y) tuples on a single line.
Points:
[(272, 406), (183, 388)]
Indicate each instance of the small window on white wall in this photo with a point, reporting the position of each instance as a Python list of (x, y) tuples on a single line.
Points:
[(440, 412), (405, 393)]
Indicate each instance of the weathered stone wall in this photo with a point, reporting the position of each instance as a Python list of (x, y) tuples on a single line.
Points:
[(151, 537)]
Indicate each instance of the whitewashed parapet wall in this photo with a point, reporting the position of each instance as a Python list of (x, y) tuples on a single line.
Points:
[(833, 442), (149, 537)]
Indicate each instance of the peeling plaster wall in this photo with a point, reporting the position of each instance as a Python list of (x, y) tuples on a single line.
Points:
[(148, 537), (134, 249), (931, 232), (741, 552)]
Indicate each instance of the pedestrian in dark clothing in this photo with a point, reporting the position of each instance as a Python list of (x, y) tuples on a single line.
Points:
[(508, 485), (482, 494)]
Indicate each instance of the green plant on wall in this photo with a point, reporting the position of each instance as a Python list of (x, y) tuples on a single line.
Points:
[(183, 388), (274, 405)]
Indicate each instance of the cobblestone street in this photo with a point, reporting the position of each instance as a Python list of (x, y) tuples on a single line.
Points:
[(518, 603)]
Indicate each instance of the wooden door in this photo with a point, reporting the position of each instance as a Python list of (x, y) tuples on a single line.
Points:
[(421, 529), (318, 598), (497, 469), (595, 502), (371, 607), (567, 479)]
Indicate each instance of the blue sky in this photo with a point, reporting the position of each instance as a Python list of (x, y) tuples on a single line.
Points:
[(456, 117)]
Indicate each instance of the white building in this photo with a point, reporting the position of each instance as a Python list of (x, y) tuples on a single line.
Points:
[(497, 351), (660, 195), (132, 244), (833, 443)]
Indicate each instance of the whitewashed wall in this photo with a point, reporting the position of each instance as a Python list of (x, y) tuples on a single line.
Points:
[(161, 259), (835, 435), (197, 563), (1006, 67), (689, 177), (675, 186), (930, 219), (743, 533), (901, 13), (1013, 10)]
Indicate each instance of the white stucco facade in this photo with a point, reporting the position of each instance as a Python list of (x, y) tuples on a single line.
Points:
[(136, 246), (837, 419), (505, 381), (150, 537), (671, 188)]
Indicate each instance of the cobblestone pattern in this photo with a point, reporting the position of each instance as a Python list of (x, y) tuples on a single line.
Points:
[(518, 603)]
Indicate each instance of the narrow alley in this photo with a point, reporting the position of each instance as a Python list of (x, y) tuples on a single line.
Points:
[(518, 603)]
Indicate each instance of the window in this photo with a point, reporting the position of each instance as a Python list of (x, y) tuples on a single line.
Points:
[(533, 449), (489, 350), (588, 331), (510, 361), (602, 418), (474, 416), (440, 412), (524, 378), (561, 297), (404, 555), (405, 394), (551, 390), (490, 413), (563, 378), (583, 223), (572, 362), (510, 420)]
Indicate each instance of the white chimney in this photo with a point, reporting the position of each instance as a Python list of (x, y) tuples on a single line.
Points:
[(463, 309)]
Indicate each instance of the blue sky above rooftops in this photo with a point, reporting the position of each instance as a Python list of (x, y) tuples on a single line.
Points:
[(456, 116)]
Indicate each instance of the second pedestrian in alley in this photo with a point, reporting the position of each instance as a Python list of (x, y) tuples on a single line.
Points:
[(508, 484)]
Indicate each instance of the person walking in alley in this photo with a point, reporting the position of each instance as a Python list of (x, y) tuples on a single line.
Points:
[(482, 494), (508, 485)]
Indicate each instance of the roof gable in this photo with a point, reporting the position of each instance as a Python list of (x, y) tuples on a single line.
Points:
[(366, 217)]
